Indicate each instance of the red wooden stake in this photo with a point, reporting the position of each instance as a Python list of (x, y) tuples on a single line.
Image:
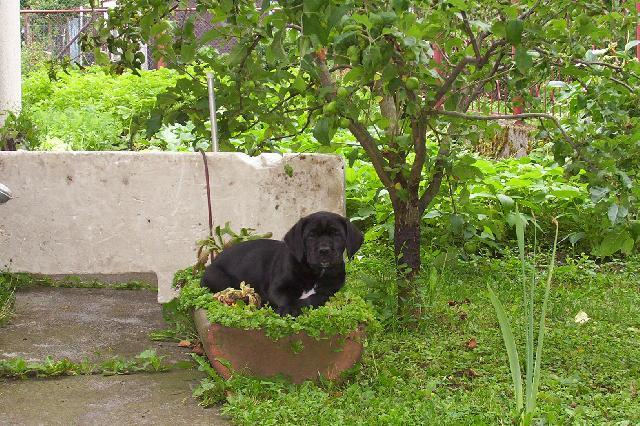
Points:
[(437, 57)]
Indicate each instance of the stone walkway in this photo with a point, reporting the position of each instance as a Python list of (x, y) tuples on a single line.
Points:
[(95, 324)]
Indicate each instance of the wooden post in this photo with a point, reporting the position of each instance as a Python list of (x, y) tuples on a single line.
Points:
[(27, 28)]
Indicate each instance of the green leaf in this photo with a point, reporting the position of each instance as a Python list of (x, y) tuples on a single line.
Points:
[(299, 83), (336, 15), (574, 237), (457, 223), (598, 193), (458, 4), (159, 27), (631, 44), (154, 123), (523, 61), (514, 30), (613, 242), (612, 213), (313, 27), (510, 345), (100, 57), (324, 130), (371, 58), (555, 83), (303, 46), (499, 29), (353, 75), (505, 200), (531, 396), (187, 52), (465, 171), (310, 6)]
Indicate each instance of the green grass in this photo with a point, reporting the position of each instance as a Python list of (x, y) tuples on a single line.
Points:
[(19, 368), (8, 287), (427, 374)]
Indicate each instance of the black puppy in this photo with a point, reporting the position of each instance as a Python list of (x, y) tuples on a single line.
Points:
[(305, 269)]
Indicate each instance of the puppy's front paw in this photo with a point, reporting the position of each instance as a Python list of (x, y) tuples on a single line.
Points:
[(294, 311)]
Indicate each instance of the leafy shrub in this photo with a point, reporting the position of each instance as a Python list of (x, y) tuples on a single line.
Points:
[(177, 137), (476, 204), (90, 109), (340, 315)]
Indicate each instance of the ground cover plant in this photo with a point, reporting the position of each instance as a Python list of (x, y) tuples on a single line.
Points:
[(342, 314), (19, 368)]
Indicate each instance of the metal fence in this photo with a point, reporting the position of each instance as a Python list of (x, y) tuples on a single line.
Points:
[(55, 34)]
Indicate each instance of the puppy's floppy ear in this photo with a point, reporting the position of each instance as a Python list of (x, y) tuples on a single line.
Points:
[(294, 240), (354, 238)]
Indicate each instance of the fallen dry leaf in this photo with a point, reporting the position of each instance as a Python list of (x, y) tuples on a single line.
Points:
[(184, 344), (467, 372), (472, 343)]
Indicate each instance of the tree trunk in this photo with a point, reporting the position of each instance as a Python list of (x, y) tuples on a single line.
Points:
[(407, 251)]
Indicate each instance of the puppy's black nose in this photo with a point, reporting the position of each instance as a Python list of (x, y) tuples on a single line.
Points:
[(323, 251)]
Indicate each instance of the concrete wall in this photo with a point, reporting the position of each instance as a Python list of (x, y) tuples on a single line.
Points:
[(10, 66), (123, 212)]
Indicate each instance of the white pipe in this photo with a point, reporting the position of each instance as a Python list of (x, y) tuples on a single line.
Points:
[(212, 113), (10, 67)]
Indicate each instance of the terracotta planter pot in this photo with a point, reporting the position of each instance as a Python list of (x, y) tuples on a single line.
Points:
[(299, 357)]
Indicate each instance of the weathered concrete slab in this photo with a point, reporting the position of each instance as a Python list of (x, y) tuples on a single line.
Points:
[(157, 399), (120, 212), (78, 323)]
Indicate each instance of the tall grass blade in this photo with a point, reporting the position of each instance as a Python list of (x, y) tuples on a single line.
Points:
[(530, 321), (510, 345), (531, 401), (527, 300)]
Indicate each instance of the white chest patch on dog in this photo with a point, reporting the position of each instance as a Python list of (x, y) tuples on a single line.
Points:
[(308, 293)]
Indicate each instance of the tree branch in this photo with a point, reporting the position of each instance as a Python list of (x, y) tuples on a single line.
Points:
[(479, 87), (472, 38), (438, 173), (446, 86), (361, 133), (509, 117), (418, 134)]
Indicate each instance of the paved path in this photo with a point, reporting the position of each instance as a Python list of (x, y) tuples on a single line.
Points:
[(95, 324), (78, 323), (154, 398)]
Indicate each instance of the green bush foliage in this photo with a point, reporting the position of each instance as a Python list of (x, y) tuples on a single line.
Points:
[(89, 109)]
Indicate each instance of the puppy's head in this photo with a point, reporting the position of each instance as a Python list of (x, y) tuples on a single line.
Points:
[(321, 238)]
